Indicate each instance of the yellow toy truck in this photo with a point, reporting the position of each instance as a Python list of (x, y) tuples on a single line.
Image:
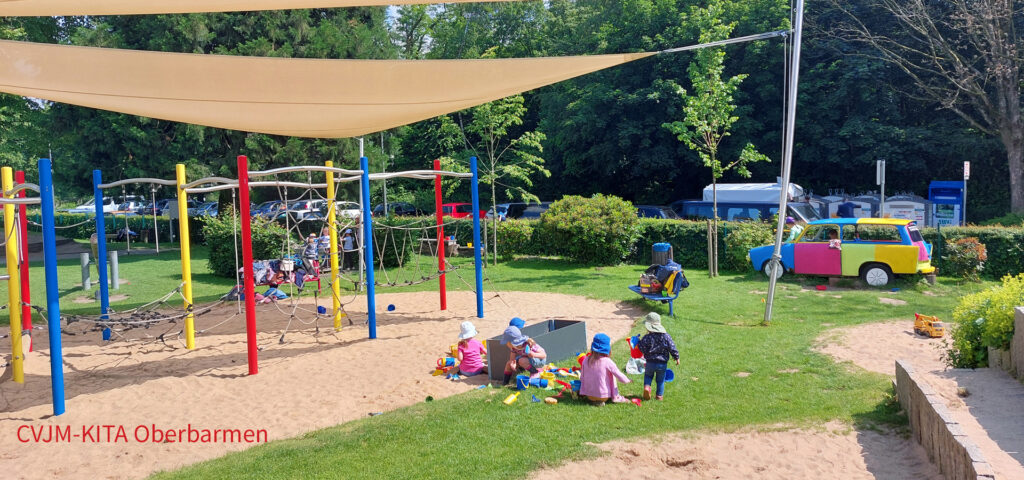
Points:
[(928, 325)]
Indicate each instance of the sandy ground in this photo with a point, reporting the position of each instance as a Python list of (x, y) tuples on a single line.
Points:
[(990, 415), (831, 452), (310, 381)]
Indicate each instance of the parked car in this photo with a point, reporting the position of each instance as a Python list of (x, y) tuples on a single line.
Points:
[(269, 209), (298, 209), (110, 204), (508, 210), (743, 211), (397, 208), (654, 211), (460, 210), (346, 211), (875, 249), (127, 208), (533, 211), (207, 209), (163, 206)]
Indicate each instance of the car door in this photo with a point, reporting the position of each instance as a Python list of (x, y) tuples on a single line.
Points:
[(812, 255)]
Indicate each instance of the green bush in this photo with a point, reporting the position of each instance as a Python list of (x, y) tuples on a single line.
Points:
[(742, 237), (81, 226), (964, 258), (985, 319), (514, 237), (396, 239), (1008, 220), (268, 242), (597, 230), (1004, 247)]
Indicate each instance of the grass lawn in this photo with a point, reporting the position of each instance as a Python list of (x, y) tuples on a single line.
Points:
[(716, 328)]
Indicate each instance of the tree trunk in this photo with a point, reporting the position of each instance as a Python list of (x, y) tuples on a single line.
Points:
[(1013, 140), (714, 231), (494, 224)]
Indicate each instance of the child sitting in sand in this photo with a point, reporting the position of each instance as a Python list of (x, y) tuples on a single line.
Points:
[(470, 352), (657, 346), (598, 374), (524, 353)]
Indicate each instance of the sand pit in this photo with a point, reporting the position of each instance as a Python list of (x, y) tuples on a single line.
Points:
[(988, 415), (309, 382), (831, 452)]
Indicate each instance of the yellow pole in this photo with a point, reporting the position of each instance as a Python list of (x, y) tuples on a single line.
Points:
[(14, 279), (332, 224), (186, 257)]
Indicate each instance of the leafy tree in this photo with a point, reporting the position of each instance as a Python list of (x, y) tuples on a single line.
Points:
[(708, 113), (411, 30)]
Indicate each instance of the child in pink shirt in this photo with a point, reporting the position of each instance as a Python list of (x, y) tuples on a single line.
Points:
[(470, 352), (598, 374)]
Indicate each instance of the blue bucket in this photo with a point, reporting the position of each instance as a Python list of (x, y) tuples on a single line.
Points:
[(522, 381), (669, 375), (661, 247)]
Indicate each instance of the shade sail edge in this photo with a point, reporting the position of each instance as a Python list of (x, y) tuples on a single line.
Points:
[(56, 8)]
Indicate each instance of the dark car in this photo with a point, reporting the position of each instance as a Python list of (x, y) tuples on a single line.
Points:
[(161, 207), (743, 211), (655, 211), (533, 210), (397, 208)]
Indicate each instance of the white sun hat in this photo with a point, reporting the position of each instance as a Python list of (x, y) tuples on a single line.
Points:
[(468, 331)]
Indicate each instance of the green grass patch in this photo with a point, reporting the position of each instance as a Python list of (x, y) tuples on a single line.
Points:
[(717, 328)]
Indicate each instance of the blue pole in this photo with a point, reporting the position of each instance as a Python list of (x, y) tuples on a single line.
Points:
[(371, 301), (101, 248), (52, 290), (478, 263)]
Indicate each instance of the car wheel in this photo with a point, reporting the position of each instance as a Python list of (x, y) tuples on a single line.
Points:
[(876, 274), (778, 273)]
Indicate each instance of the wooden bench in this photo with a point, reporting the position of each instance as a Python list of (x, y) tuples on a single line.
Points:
[(677, 286)]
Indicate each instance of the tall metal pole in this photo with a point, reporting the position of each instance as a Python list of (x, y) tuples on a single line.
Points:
[(26, 291), (13, 278), (52, 289), (371, 300), (249, 281), (477, 262), (101, 248), (332, 226), (441, 243), (787, 159), (186, 257)]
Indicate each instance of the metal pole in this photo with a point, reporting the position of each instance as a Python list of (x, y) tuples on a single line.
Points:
[(371, 301), (332, 225), (478, 263), (156, 225), (115, 273), (13, 280), (881, 183), (441, 243), (52, 289), (101, 248), (86, 282), (787, 159), (250, 287), (362, 240), (186, 257), (26, 293)]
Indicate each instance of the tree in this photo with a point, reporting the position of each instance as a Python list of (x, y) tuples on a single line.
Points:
[(505, 161), (962, 55), (708, 112), (411, 30)]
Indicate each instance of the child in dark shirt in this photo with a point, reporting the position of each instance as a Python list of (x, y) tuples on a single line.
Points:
[(656, 346)]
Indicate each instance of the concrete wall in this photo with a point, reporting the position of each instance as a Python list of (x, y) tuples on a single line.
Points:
[(932, 426)]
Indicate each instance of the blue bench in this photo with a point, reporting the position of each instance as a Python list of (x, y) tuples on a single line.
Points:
[(677, 286)]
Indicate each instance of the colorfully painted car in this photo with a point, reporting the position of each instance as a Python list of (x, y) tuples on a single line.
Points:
[(875, 249)]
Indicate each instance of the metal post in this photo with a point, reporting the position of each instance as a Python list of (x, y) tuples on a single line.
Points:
[(362, 242), (880, 180), (156, 224), (371, 300), (13, 280), (250, 287), (332, 225), (101, 248), (441, 243), (115, 274), (26, 293), (86, 281), (478, 263), (787, 159), (52, 289), (186, 257)]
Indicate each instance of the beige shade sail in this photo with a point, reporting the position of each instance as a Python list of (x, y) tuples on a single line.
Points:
[(282, 96), (53, 8)]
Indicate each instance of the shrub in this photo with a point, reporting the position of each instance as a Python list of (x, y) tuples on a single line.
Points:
[(964, 258), (739, 241), (396, 238), (1004, 247), (1008, 220), (268, 241), (596, 230), (985, 319), (514, 237), (82, 225)]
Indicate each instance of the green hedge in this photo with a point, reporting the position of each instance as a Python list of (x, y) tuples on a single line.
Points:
[(984, 319), (85, 225), (268, 240), (596, 230), (1003, 245)]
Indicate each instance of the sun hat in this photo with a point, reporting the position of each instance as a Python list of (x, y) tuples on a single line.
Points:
[(514, 336), (790, 220), (468, 331), (517, 322), (653, 323), (601, 344)]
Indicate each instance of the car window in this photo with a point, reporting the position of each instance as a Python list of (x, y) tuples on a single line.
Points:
[(915, 234), (742, 213), (464, 208), (849, 233), (699, 211), (818, 233), (879, 233)]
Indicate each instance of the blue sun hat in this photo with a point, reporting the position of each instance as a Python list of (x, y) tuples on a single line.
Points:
[(517, 322), (514, 336), (601, 344)]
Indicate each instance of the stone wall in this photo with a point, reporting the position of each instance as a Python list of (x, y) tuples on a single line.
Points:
[(1012, 360), (931, 424)]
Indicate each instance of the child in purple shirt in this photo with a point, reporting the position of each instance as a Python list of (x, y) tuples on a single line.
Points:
[(656, 346), (598, 373)]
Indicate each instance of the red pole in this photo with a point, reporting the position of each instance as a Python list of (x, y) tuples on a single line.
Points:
[(26, 300), (250, 287), (441, 243)]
